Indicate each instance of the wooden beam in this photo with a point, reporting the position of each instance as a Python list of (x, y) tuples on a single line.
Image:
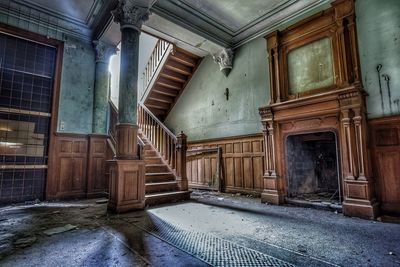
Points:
[(184, 59), (157, 104), (170, 84), (172, 75), (165, 91), (161, 98), (178, 67)]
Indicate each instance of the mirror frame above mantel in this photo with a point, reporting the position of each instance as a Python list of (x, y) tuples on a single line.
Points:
[(336, 23)]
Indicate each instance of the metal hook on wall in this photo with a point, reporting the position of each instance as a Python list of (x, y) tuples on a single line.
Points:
[(378, 69), (387, 79)]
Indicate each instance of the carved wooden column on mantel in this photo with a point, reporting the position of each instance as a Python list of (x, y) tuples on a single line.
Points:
[(274, 69), (272, 192), (127, 171), (358, 182)]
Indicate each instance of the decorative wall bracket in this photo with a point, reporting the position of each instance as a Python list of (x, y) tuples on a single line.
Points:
[(225, 60)]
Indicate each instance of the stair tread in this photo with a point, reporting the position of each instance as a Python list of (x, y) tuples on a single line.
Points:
[(162, 183), (167, 193), (159, 173)]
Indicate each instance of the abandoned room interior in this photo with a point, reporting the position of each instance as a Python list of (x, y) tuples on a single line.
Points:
[(200, 133)]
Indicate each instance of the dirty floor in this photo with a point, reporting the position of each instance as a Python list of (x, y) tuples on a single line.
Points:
[(210, 230)]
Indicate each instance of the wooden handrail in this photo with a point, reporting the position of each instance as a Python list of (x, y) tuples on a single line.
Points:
[(161, 49), (171, 134), (172, 148)]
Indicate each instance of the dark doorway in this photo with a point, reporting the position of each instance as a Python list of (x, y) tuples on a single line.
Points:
[(26, 88), (312, 168)]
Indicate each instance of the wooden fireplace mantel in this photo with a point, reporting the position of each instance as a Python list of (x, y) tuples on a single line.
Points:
[(339, 108)]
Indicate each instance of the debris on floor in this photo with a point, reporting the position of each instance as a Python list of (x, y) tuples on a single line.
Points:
[(58, 230), (102, 201), (25, 242)]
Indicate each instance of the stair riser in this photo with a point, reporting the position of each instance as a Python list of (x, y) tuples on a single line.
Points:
[(153, 161), (159, 178), (160, 188), (154, 169), (167, 199), (150, 153)]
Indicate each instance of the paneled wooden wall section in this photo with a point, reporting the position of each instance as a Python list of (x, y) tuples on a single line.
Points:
[(385, 140), (241, 164), (77, 166)]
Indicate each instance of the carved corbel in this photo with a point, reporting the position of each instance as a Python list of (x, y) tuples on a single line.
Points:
[(225, 60)]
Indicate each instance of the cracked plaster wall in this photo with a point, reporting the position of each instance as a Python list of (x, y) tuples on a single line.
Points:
[(78, 72), (203, 112), (378, 26)]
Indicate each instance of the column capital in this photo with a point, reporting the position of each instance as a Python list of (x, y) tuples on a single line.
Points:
[(104, 51), (225, 60), (129, 15)]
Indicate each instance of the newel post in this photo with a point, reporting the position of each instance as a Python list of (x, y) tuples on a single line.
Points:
[(181, 148)]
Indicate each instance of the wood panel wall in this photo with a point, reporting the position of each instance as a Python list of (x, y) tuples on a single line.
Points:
[(77, 166), (97, 179), (385, 140), (242, 164)]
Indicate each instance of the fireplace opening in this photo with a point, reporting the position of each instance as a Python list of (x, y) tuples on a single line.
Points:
[(312, 169)]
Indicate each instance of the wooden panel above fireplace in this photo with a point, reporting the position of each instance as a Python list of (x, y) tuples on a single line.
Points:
[(328, 37)]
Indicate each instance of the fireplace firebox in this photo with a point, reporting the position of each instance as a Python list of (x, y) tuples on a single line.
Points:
[(312, 168)]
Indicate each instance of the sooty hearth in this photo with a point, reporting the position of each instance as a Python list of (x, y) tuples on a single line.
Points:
[(312, 167)]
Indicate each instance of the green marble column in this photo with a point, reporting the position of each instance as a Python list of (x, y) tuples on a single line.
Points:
[(101, 90), (128, 89), (130, 17)]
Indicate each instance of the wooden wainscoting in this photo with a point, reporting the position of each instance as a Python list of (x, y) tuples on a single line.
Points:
[(77, 166), (385, 140), (241, 165), (97, 179)]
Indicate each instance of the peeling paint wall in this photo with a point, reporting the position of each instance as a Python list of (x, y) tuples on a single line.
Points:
[(378, 26), (77, 88), (203, 112), (77, 80)]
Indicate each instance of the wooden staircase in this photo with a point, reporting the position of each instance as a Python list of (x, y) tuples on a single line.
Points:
[(161, 185), (166, 75), (164, 155)]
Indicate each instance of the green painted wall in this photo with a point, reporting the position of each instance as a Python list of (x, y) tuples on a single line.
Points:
[(203, 112), (77, 87), (77, 80), (378, 25)]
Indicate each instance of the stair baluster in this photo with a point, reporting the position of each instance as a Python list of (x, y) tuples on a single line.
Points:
[(172, 148), (160, 50)]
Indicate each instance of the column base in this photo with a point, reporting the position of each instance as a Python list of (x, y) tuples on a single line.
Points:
[(360, 208), (183, 184), (359, 201), (127, 185), (271, 193), (273, 197)]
